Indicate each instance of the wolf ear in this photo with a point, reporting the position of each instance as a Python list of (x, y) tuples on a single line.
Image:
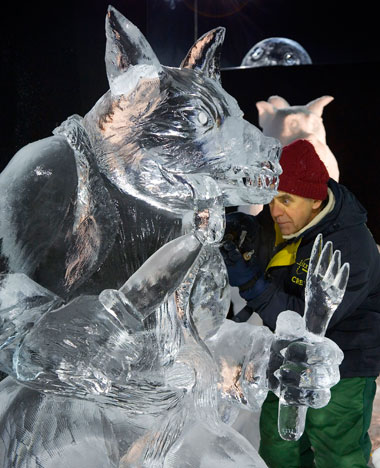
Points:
[(128, 57), (204, 55)]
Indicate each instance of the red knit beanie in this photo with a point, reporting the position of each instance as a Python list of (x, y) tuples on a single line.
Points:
[(304, 174)]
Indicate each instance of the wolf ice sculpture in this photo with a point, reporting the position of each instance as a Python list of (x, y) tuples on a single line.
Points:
[(113, 292)]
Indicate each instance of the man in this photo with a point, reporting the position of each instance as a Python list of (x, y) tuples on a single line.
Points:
[(268, 261)]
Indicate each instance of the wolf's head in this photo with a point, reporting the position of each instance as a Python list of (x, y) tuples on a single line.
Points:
[(157, 127)]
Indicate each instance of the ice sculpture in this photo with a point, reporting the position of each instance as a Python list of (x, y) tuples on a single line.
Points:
[(276, 51), (113, 292)]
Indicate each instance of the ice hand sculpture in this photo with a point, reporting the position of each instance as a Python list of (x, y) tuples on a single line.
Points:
[(279, 119), (276, 51), (325, 286), (113, 293)]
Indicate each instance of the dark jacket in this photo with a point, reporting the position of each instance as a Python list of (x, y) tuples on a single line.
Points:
[(355, 325)]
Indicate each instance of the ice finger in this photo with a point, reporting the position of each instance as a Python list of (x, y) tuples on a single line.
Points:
[(315, 398), (315, 253), (301, 375), (333, 268), (326, 352), (341, 279), (324, 259)]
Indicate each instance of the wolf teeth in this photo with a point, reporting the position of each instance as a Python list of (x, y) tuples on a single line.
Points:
[(261, 182), (248, 182)]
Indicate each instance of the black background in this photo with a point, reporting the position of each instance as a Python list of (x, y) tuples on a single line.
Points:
[(52, 66)]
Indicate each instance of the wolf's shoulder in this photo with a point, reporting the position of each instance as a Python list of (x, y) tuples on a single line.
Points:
[(37, 187), (50, 156), (40, 179)]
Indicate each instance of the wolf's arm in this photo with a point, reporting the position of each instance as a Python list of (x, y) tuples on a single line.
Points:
[(87, 345)]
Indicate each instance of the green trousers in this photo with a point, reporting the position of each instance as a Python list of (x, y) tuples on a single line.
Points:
[(335, 436)]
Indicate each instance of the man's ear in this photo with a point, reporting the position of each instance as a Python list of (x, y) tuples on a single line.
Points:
[(317, 204)]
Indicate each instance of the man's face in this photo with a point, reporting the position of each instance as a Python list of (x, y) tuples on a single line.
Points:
[(292, 212)]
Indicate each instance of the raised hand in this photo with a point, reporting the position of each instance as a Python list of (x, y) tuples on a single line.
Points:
[(325, 286)]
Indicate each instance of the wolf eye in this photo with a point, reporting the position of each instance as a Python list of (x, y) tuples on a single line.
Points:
[(202, 118)]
